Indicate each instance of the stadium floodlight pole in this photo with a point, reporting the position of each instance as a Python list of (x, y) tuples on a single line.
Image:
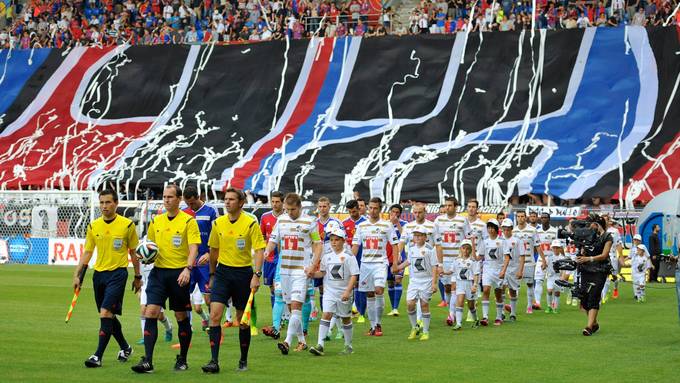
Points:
[(671, 15), (76, 293)]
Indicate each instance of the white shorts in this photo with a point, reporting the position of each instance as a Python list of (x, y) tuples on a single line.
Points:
[(465, 288), (552, 285), (639, 280), (419, 290), (511, 280), (294, 288), (490, 277), (372, 275), (539, 273), (529, 272), (447, 267), (333, 304), (197, 297), (616, 267)]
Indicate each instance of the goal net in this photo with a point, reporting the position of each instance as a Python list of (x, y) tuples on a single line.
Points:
[(41, 227)]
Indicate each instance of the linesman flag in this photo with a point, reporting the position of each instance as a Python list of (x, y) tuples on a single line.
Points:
[(246, 318), (76, 293)]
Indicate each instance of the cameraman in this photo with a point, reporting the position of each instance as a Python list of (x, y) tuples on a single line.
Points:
[(594, 271)]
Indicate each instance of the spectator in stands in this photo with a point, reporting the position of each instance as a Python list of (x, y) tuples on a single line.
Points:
[(639, 17), (423, 23), (506, 25), (613, 21), (360, 29), (66, 23), (341, 31), (386, 18)]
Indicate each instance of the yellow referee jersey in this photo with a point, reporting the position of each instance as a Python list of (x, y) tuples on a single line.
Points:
[(173, 237), (112, 240), (236, 240)]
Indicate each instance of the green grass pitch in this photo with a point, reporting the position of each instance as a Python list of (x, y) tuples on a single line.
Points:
[(637, 342)]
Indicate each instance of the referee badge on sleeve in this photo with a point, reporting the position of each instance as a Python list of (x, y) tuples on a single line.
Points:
[(177, 240), (117, 243), (241, 243)]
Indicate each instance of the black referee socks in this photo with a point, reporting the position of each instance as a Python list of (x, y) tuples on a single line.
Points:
[(150, 336), (118, 334), (215, 336), (184, 333), (244, 341), (105, 330)]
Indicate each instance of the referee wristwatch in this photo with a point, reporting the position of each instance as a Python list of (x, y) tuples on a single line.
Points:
[(258, 274)]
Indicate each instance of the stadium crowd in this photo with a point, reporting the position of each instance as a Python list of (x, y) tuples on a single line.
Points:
[(66, 23)]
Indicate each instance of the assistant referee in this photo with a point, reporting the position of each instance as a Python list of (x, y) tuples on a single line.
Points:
[(114, 237), (233, 238)]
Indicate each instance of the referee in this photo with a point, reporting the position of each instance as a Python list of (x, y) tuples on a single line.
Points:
[(177, 235), (114, 237), (233, 238)]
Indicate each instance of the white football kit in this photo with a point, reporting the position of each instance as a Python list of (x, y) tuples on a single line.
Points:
[(421, 262), (515, 248), (529, 238), (545, 238), (551, 274), (492, 252), (448, 234), (464, 272), (294, 238), (339, 269), (374, 239)]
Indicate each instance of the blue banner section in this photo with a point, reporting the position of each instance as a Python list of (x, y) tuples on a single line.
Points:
[(16, 67), (29, 251)]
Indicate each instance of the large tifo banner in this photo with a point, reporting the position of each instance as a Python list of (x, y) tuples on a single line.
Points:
[(571, 113)]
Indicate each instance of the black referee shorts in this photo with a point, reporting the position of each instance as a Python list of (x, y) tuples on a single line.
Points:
[(109, 289), (231, 283), (162, 285)]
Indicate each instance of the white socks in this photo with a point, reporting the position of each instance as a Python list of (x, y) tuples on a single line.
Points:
[(605, 290), (295, 327), (513, 306), (347, 331), (370, 310), (530, 296), (459, 315), (167, 324), (499, 310), (379, 308), (452, 306), (324, 326), (538, 291), (426, 323), (412, 318)]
